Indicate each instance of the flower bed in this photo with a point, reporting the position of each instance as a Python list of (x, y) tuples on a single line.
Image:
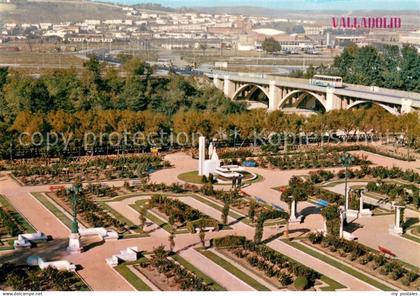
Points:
[(310, 159), (409, 194), (272, 263), (98, 168), (88, 211), (175, 276), (379, 172), (181, 214), (8, 225), (25, 278), (367, 259)]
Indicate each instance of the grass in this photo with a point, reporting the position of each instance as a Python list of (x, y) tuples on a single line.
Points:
[(118, 216), (134, 280), (329, 260), (7, 245), (332, 284), (52, 208), (16, 215), (191, 177), (194, 178), (233, 270), (208, 280), (412, 238)]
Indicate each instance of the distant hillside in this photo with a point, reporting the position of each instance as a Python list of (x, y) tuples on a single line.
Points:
[(57, 11)]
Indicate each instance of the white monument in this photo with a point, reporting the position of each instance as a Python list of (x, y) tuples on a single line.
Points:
[(62, 265), (74, 243), (207, 166), (293, 209), (397, 228), (127, 255)]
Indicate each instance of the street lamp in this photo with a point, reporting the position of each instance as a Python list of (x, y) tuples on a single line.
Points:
[(74, 239), (74, 191), (346, 160)]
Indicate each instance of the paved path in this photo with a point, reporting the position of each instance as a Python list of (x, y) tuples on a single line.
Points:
[(217, 273), (347, 280), (32, 209)]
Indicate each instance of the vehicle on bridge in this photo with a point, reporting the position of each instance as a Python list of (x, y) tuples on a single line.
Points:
[(324, 80)]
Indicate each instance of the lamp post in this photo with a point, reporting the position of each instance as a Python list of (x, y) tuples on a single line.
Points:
[(75, 190), (74, 240), (346, 160)]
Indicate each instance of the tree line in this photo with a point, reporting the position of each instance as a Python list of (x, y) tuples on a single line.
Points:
[(103, 99)]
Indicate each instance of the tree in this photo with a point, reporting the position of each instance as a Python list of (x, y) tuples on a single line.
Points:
[(202, 236), (226, 207), (172, 239), (297, 190), (142, 218), (410, 69), (331, 215), (266, 215), (251, 210), (4, 71), (271, 45)]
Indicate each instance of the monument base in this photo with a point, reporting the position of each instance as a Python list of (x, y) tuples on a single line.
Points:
[(296, 219), (393, 229), (352, 214), (365, 212), (74, 244)]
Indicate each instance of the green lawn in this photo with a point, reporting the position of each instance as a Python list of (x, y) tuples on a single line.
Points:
[(329, 260), (332, 284), (191, 177), (194, 178), (133, 279), (16, 215), (414, 237), (233, 270), (52, 208), (118, 216), (208, 280)]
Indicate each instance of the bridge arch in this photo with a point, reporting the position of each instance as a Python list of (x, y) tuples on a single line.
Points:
[(391, 110), (253, 87), (292, 93)]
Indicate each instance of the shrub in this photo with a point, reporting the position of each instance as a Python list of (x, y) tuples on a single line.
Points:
[(315, 237), (285, 279), (229, 241), (301, 283), (411, 276)]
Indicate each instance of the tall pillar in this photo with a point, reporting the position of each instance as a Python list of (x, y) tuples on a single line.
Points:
[(274, 96), (293, 210), (397, 228), (361, 197), (333, 102), (201, 154), (229, 88), (341, 233)]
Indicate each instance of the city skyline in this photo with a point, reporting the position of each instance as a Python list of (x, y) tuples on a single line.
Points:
[(283, 4)]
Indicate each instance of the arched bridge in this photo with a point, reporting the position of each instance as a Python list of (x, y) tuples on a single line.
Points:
[(284, 93)]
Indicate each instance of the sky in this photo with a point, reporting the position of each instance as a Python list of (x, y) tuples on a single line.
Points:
[(290, 4)]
